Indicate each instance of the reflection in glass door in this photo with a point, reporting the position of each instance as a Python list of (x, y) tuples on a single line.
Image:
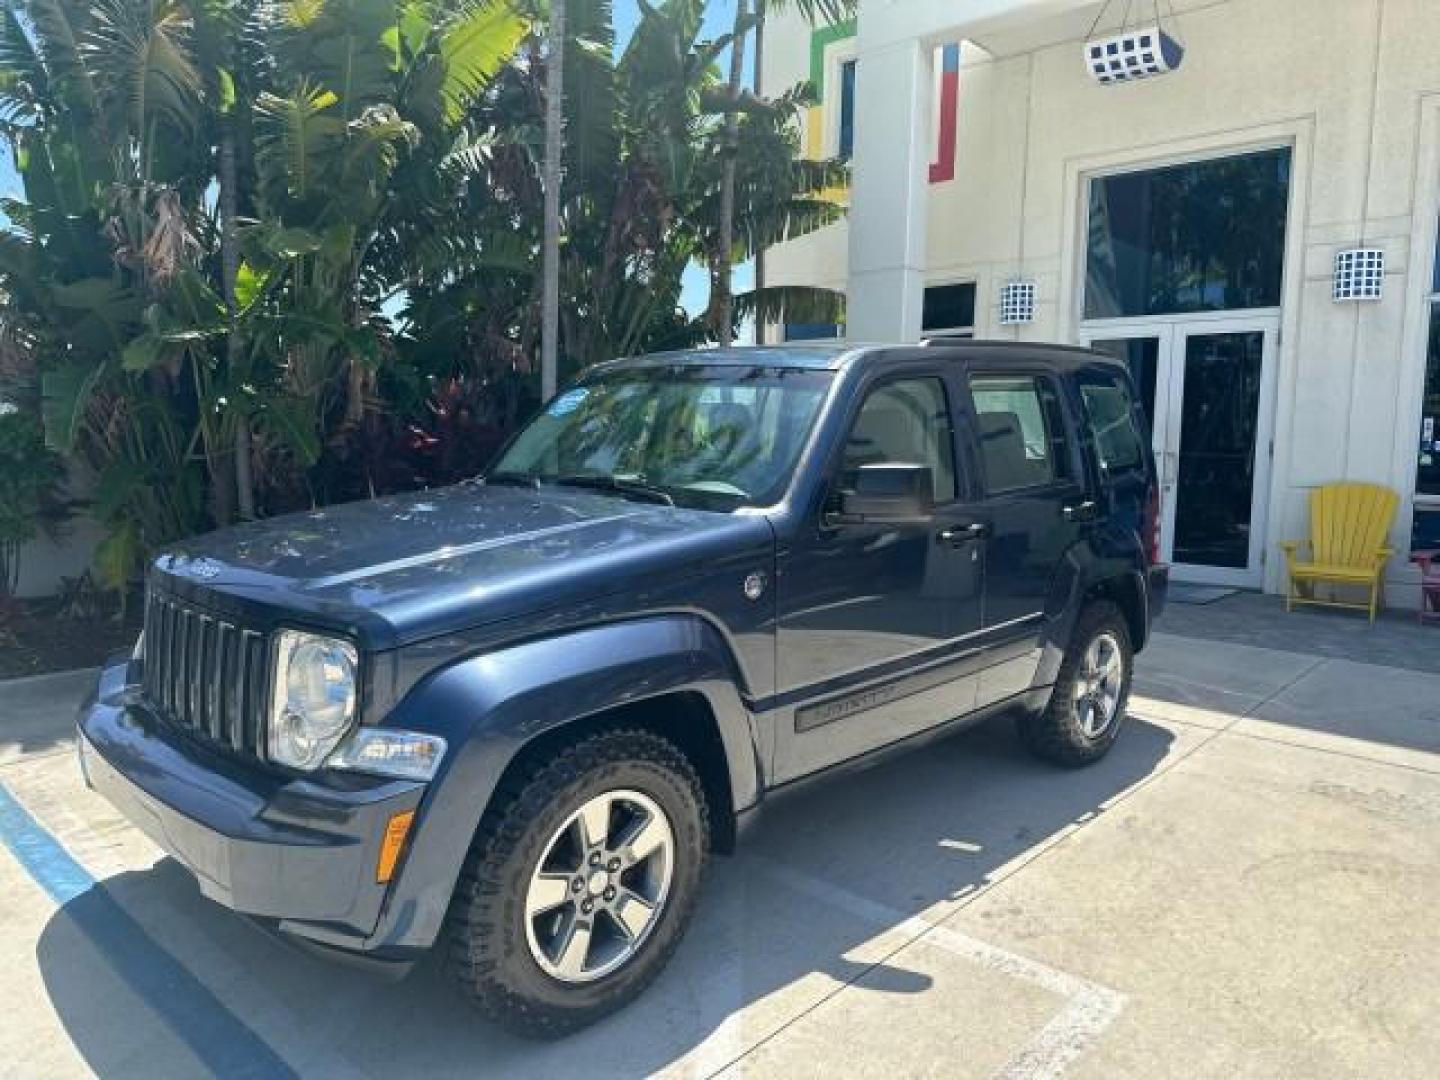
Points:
[(1203, 386), (1219, 410), (1142, 356)]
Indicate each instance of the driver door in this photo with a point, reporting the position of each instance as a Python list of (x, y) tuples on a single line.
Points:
[(878, 621)]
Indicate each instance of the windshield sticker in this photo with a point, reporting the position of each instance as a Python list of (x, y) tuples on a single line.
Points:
[(567, 402)]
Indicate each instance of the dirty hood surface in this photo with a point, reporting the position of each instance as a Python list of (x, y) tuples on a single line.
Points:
[(412, 566)]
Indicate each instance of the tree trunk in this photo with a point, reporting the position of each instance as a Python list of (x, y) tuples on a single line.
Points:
[(724, 302), (761, 11), (554, 169), (229, 271)]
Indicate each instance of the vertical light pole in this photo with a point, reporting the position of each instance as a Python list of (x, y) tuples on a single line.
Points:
[(554, 170), (725, 308)]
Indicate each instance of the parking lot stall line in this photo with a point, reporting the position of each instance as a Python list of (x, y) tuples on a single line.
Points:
[(1089, 1008), (216, 1036)]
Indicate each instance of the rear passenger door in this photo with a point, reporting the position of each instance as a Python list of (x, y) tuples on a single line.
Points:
[(1035, 507)]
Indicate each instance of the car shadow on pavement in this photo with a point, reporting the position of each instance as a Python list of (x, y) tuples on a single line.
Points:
[(812, 901)]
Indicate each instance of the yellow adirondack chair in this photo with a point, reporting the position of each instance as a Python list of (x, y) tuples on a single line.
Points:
[(1348, 527)]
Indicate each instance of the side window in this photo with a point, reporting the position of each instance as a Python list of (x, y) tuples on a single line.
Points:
[(904, 422), (1022, 433), (1111, 415)]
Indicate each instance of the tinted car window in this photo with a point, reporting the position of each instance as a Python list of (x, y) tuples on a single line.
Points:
[(905, 422), (1022, 437), (1111, 415)]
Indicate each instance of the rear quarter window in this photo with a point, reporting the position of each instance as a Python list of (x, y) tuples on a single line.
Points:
[(1114, 424)]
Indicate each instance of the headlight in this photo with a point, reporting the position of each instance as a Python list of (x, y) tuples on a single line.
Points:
[(313, 703)]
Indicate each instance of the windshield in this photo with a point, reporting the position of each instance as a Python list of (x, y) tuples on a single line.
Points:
[(714, 438)]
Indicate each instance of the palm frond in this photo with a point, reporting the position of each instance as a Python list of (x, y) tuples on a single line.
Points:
[(791, 303), (24, 82), (139, 51), (292, 135), (59, 40), (473, 46)]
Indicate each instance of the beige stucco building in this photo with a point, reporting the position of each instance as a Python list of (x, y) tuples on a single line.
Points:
[(1189, 222)]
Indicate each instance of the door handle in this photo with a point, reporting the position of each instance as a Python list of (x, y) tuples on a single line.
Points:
[(964, 534), (1084, 511)]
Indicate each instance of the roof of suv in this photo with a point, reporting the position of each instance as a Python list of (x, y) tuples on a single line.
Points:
[(831, 357)]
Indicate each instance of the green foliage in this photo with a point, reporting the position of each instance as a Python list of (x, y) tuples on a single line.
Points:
[(30, 477), (265, 246)]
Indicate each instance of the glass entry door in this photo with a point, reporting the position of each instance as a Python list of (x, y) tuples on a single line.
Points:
[(1206, 387)]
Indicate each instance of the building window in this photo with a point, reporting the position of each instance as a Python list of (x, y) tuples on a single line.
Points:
[(813, 331), (1206, 236), (949, 311), (847, 109)]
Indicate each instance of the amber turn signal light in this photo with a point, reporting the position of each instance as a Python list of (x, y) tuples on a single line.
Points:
[(396, 831)]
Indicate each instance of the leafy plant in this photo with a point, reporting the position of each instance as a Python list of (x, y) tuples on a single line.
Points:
[(275, 253), (30, 501)]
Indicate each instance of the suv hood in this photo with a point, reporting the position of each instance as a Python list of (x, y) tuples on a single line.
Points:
[(404, 568)]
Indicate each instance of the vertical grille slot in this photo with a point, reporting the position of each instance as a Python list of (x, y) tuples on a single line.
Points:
[(204, 674)]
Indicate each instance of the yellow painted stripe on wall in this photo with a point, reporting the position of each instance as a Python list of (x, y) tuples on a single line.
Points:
[(815, 133)]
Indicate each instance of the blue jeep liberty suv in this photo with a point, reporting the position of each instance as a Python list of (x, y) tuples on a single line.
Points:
[(514, 717)]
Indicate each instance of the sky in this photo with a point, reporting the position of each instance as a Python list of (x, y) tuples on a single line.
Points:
[(718, 17)]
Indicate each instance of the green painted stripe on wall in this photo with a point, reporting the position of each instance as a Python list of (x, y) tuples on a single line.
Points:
[(820, 40)]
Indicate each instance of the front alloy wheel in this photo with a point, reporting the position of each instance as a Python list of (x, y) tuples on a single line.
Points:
[(600, 886), (580, 881)]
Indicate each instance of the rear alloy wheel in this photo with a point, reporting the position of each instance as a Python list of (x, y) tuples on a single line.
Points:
[(1087, 706), (580, 882), (1097, 686)]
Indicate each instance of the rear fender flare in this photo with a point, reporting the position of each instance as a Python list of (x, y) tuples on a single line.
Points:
[(1081, 573)]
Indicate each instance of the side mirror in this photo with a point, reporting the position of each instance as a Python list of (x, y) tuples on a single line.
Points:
[(889, 494)]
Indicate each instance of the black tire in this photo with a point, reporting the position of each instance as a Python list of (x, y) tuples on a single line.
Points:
[(487, 950), (1055, 734)]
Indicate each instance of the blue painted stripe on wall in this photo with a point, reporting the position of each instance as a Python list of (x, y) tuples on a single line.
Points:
[(216, 1036)]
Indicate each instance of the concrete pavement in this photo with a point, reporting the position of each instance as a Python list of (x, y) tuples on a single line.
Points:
[(1245, 887)]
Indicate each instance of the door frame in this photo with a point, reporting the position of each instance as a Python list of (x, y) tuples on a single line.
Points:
[(1172, 331)]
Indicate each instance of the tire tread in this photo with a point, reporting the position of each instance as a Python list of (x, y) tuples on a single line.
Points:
[(470, 948)]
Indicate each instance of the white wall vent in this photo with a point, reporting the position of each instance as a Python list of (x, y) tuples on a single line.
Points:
[(1359, 274), (1017, 303)]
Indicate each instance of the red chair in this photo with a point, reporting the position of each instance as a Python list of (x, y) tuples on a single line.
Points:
[(1429, 584)]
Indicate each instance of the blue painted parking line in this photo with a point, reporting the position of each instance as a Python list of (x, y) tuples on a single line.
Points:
[(219, 1038)]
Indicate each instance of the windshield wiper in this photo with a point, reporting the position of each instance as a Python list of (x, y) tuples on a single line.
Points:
[(513, 479), (630, 486)]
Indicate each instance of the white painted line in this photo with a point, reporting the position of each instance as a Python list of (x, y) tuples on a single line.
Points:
[(1089, 1009), (1073, 1031)]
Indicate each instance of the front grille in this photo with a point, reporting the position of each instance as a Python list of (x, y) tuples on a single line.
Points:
[(205, 675)]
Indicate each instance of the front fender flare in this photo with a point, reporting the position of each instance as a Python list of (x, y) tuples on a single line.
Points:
[(489, 707)]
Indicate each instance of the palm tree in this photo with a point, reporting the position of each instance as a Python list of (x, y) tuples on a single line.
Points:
[(831, 11)]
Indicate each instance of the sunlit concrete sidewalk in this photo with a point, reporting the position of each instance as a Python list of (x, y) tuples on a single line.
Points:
[(1245, 887)]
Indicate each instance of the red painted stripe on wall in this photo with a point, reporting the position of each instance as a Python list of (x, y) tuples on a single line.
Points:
[(942, 168)]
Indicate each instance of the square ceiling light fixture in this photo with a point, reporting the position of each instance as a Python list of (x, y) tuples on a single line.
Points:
[(1359, 275), (1017, 303), (1139, 53)]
